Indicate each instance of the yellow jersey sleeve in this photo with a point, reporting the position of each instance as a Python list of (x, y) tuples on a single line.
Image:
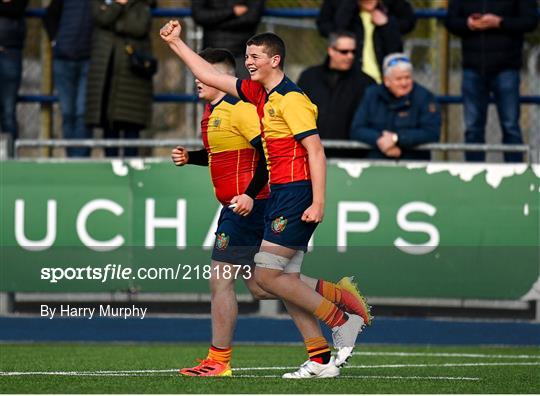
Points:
[(245, 120), (300, 114)]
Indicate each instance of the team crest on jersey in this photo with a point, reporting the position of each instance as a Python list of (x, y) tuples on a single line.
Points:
[(271, 112), (216, 122), (279, 224), (222, 241)]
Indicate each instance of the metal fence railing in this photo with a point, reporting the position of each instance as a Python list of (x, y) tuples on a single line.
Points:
[(196, 143)]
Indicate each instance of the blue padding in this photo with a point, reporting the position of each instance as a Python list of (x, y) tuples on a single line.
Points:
[(253, 329)]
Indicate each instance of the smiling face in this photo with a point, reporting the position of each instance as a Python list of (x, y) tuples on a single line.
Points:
[(399, 81), (260, 66), (342, 53)]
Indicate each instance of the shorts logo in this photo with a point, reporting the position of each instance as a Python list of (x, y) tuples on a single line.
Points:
[(222, 241), (278, 225)]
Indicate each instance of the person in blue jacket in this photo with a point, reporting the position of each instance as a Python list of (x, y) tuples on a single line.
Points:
[(397, 115)]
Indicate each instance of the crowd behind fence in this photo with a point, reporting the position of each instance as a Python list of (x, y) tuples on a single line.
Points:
[(176, 112)]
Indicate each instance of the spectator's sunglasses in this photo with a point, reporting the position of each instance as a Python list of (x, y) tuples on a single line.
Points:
[(345, 51), (395, 61)]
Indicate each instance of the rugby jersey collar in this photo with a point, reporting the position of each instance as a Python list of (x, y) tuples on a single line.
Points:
[(227, 98), (281, 84)]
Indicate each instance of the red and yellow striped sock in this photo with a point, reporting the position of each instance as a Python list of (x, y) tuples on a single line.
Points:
[(318, 349), (222, 355), (329, 290), (330, 314)]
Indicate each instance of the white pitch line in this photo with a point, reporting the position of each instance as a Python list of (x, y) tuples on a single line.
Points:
[(142, 372), (374, 377), (82, 373), (367, 366), (434, 354)]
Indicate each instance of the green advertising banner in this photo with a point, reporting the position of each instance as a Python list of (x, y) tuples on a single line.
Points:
[(437, 230)]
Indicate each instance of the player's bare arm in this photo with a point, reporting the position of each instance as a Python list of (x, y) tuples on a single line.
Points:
[(204, 71), (317, 169)]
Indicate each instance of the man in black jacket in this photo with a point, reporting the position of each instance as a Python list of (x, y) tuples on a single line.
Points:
[(492, 44), (228, 24), (12, 34), (336, 87)]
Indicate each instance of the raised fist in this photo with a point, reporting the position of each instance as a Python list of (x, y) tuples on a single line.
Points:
[(170, 31)]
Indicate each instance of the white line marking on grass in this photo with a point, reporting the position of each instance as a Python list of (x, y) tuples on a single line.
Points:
[(81, 373), (363, 366), (477, 364), (146, 372), (436, 354), (414, 377)]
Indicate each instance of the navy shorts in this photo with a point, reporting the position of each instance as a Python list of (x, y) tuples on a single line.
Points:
[(283, 220), (238, 238)]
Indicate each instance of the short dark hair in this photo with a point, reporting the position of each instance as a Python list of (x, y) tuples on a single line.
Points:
[(335, 36), (219, 55), (272, 43)]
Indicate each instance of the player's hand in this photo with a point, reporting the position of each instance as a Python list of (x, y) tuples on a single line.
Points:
[(244, 204), (180, 156), (170, 31), (314, 214), (122, 2)]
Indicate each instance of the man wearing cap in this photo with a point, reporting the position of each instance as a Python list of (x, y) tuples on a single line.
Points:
[(397, 115)]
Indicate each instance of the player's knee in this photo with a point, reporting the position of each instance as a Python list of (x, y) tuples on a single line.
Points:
[(220, 284), (259, 293)]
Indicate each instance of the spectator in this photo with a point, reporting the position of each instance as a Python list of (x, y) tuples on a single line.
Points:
[(336, 87), (228, 24), (12, 34), (377, 33), (492, 42), (119, 94), (69, 26), (401, 10), (398, 115)]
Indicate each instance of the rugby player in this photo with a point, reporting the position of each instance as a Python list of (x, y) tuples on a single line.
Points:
[(296, 205)]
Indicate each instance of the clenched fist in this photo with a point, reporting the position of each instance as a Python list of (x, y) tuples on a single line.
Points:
[(180, 156), (170, 31)]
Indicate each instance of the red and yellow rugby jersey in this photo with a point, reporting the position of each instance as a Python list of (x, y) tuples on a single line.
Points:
[(228, 130), (287, 116)]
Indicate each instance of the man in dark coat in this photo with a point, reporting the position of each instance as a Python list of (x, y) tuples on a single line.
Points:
[(401, 10), (377, 33), (492, 44), (336, 87), (12, 34), (397, 115), (228, 24), (118, 98), (69, 26)]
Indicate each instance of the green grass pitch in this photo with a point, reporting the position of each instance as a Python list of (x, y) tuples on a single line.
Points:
[(151, 368)]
